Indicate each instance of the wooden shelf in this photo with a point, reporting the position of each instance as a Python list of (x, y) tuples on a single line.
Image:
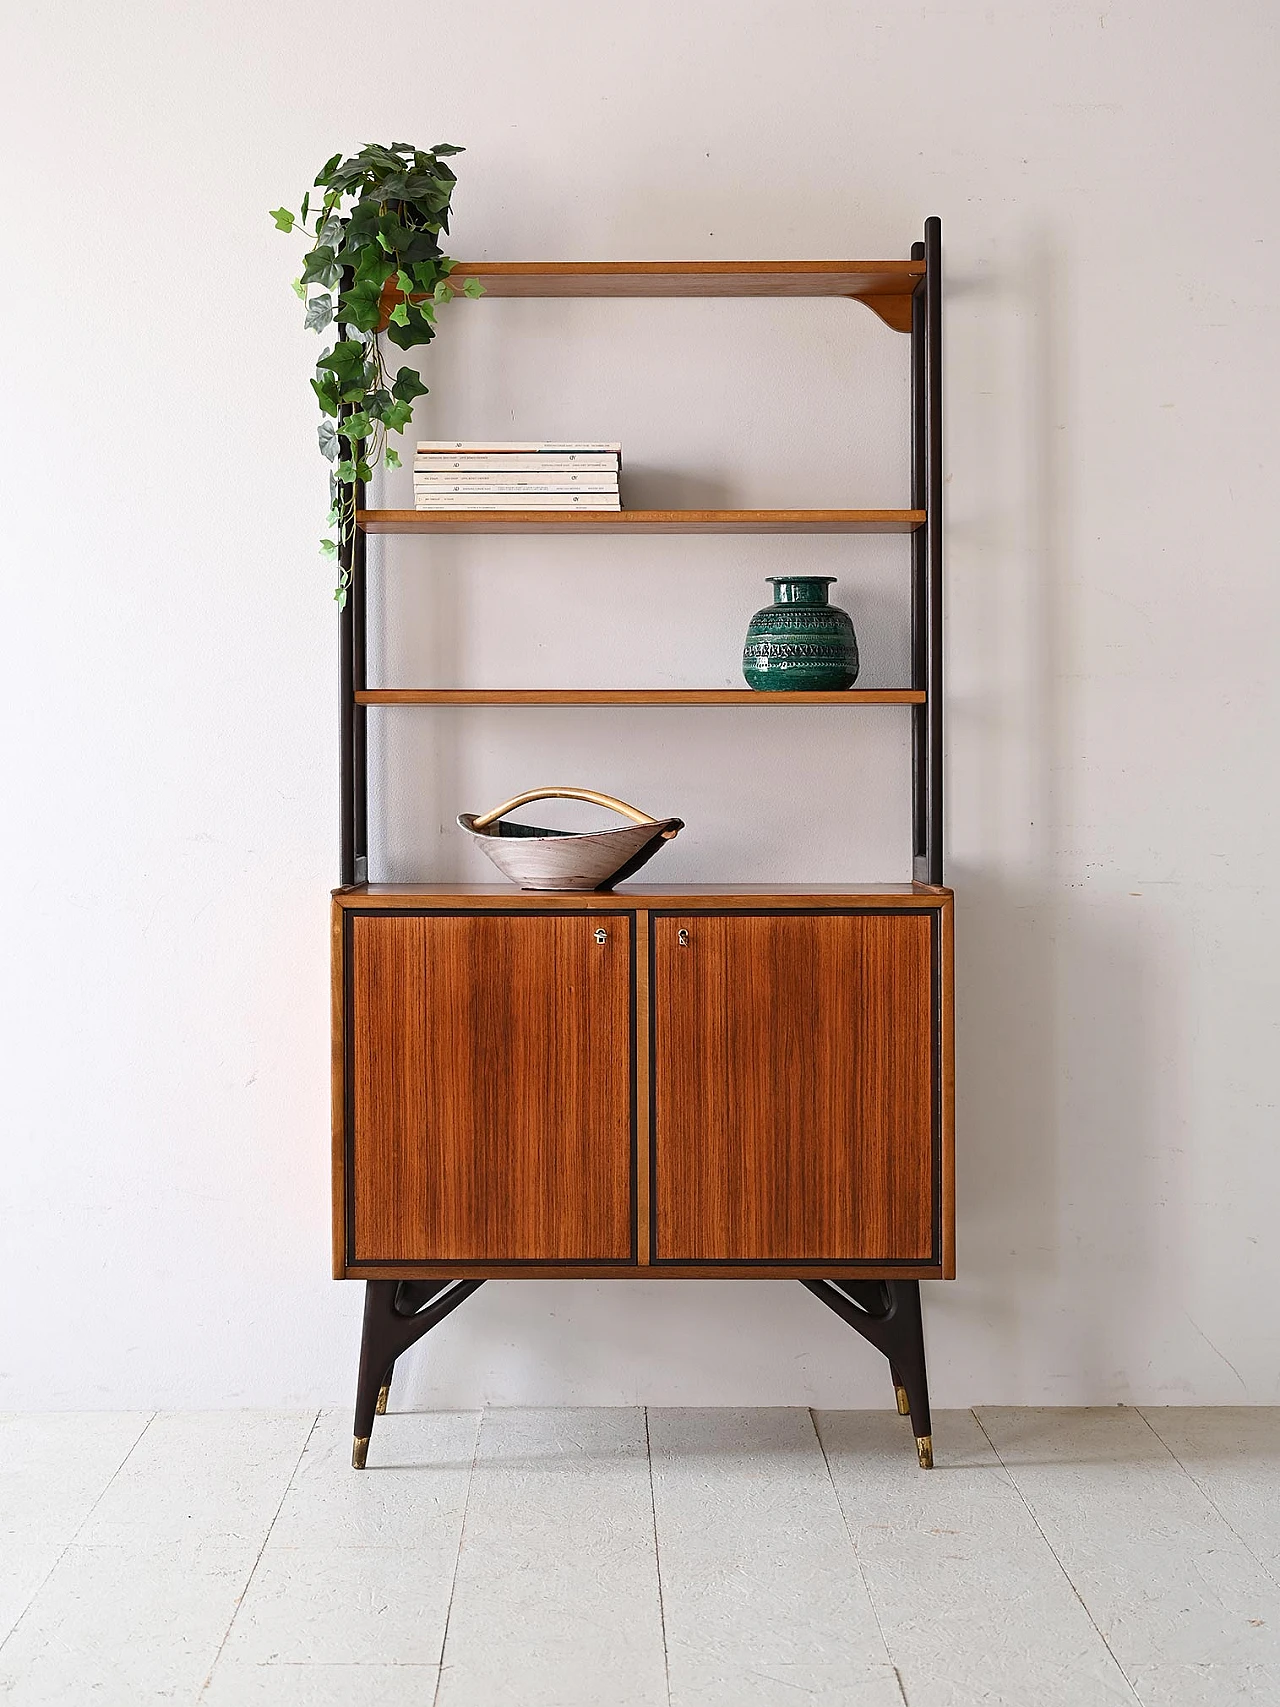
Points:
[(633, 696), (640, 521), (693, 278)]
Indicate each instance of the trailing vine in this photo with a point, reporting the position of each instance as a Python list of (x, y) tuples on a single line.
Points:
[(374, 267)]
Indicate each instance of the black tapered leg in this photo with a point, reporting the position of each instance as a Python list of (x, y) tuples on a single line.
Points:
[(887, 1314), (396, 1314)]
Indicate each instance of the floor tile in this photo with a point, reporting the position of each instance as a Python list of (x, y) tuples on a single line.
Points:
[(556, 1600), (24, 1565), (411, 1494), (1232, 1452), (762, 1595), (124, 1626), (215, 1476), (235, 1685), (972, 1602), (1162, 1575), (345, 1606), (1208, 1686), (53, 1467)]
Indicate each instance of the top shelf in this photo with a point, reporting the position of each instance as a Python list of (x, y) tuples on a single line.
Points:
[(884, 286), (694, 278)]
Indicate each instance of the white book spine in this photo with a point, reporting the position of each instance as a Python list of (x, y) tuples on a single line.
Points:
[(497, 488), (498, 447), (570, 502), (517, 463)]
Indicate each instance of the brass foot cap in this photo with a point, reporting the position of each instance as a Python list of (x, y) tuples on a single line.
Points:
[(359, 1452), (904, 1404), (380, 1409), (924, 1447)]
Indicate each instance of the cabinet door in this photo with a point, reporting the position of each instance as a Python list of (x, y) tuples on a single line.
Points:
[(793, 1087), (490, 1063)]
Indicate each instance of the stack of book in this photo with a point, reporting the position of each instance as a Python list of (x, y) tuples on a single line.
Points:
[(539, 476)]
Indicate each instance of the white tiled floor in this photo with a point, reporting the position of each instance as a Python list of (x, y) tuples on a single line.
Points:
[(618, 1558)]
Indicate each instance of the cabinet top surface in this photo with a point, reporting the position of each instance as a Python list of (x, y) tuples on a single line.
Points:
[(643, 896)]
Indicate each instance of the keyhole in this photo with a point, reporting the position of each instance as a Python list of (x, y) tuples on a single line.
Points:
[(682, 937), (602, 935)]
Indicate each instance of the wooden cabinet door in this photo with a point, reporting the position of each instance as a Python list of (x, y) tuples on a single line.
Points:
[(490, 1088), (793, 1094)]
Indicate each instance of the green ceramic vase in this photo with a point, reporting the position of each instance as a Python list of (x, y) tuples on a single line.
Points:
[(800, 643)]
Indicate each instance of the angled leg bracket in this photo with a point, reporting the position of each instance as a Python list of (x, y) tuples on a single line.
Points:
[(396, 1315), (887, 1314)]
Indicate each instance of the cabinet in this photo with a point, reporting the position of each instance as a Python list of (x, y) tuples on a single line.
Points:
[(649, 1083), (682, 1083)]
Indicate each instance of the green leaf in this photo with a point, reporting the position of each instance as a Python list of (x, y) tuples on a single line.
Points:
[(347, 356), (400, 314), (346, 472), (306, 207), (408, 385), (328, 437), (391, 457), (328, 548), (357, 426), (300, 289), (404, 282), (283, 218), (446, 148), (443, 292), (473, 288), (398, 416), (323, 176), (319, 266), (319, 313), (363, 471), (334, 516), (324, 396)]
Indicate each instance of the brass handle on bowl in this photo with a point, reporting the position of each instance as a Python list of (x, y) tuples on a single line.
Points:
[(589, 794)]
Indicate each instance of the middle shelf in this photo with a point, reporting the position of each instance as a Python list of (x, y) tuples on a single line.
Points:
[(633, 696), (639, 521)]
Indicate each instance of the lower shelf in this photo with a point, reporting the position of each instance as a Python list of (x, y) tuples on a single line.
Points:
[(634, 696)]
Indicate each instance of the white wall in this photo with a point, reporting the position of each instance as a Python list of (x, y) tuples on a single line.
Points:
[(1105, 176)]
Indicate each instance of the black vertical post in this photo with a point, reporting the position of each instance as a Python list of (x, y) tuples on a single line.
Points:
[(346, 730), (933, 527), (919, 587), (926, 580), (358, 598)]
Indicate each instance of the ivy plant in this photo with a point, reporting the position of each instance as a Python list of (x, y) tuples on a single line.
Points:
[(374, 268)]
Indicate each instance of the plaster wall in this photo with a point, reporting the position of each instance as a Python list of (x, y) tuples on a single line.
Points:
[(1105, 177)]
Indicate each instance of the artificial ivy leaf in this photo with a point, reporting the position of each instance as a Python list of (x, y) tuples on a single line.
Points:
[(328, 437), (283, 218), (473, 288), (408, 385), (299, 289), (385, 241), (357, 426), (446, 148), (318, 262), (334, 516), (328, 548), (346, 356), (363, 471), (443, 292), (398, 417), (331, 232), (403, 281), (340, 594), (391, 457), (400, 314), (346, 472), (323, 176), (353, 391), (319, 313), (325, 397), (306, 206)]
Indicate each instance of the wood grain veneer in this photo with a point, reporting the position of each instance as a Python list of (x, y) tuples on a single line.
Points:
[(640, 521), (634, 696), (793, 1113), (693, 278), (491, 1088)]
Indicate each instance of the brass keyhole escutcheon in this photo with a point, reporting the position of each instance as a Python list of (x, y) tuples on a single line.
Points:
[(602, 935), (682, 937)]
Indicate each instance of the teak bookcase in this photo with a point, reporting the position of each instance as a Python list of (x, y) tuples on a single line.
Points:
[(690, 1082)]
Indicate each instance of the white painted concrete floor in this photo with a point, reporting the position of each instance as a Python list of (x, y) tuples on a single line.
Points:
[(618, 1558)]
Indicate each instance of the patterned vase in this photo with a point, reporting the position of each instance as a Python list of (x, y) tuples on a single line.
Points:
[(800, 643)]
